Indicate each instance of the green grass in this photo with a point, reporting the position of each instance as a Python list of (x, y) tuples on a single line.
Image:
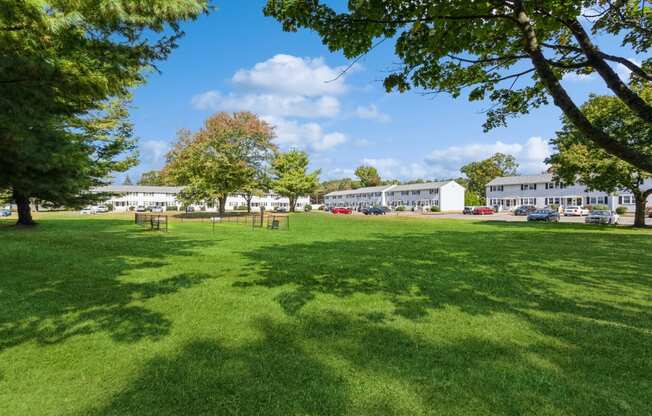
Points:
[(338, 316)]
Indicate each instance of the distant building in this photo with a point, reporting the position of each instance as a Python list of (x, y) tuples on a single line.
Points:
[(541, 191), (128, 197), (447, 195)]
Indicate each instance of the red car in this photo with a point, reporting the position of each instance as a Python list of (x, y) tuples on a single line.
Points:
[(649, 213), (483, 211), (341, 211)]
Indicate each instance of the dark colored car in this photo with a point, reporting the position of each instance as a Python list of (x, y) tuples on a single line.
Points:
[(547, 215), (468, 211), (373, 211), (524, 210), (483, 211), (341, 211)]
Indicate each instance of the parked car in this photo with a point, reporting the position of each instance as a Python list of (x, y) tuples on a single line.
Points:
[(190, 209), (156, 209), (602, 217), (575, 211), (468, 210), (88, 210), (524, 210), (101, 209), (5, 212), (280, 209), (549, 215), (341, 211), (373, 211), (141, 208), (483, 211)]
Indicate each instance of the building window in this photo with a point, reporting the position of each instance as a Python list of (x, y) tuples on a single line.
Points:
[(416, 192), (528, 201), (498, 188), (626, 200), (528, 186)]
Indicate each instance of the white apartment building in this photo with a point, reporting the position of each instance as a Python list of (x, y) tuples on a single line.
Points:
[(541, 191), (128, 197), (447, 195)]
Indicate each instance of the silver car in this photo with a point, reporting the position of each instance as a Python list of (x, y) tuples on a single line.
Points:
[(602, 217)]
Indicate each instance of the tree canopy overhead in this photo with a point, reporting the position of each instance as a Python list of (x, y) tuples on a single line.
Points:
[(65, 56), (512, 52)]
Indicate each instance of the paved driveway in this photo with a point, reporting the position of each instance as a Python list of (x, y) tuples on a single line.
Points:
[(624, 220)]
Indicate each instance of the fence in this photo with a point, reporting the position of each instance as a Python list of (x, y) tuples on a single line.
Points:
[(154, 221), (270, 221)]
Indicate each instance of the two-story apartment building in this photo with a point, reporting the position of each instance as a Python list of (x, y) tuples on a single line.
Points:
[(128, 197), (541, 190), (447, 195)]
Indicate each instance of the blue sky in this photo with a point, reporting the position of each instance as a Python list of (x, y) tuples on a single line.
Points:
[(237, 59)]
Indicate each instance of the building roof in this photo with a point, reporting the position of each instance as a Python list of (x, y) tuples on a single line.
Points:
[(516, 180), (420, 186), (123, 189), (360, 190)]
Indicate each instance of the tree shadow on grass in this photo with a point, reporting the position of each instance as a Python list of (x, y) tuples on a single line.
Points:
[(67, 279), (271, 376), (589, 292), (329, 363)]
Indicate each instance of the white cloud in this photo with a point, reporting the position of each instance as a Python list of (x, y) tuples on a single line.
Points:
[(152, 153), (371, 112), (269, 104), (292, 75), (308, 136), (391, 168), (530, 156)]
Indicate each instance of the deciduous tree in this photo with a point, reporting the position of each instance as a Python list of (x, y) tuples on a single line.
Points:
[(221, 158), (480, 173), (152, 178), (291, 176), (576, 159), (512, 52), (368, 176)]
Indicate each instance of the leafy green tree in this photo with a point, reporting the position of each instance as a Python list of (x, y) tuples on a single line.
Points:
[(480, 173), (221, 158), (58, 163), (258, 185), (575, 159), (60, 63), (368, 176), (66, 57), (512, 52), (152, 178), (291, 176)]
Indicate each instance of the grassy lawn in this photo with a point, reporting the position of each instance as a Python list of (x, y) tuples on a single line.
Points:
[(338, 316)]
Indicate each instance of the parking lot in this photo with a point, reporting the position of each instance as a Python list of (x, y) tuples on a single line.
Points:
[(504, 216)]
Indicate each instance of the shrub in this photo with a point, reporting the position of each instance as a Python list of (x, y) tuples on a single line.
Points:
[(599, 207), (621, 210), (240, 208), (553, 206), (400, 208), (321, 207), (435, 208), (307, 208)]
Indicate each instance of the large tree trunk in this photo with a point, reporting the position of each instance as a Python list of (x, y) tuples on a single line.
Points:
[(566, 104), (641, 202), (293, 203), (222, 208), (24, 210), (248, 198)]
